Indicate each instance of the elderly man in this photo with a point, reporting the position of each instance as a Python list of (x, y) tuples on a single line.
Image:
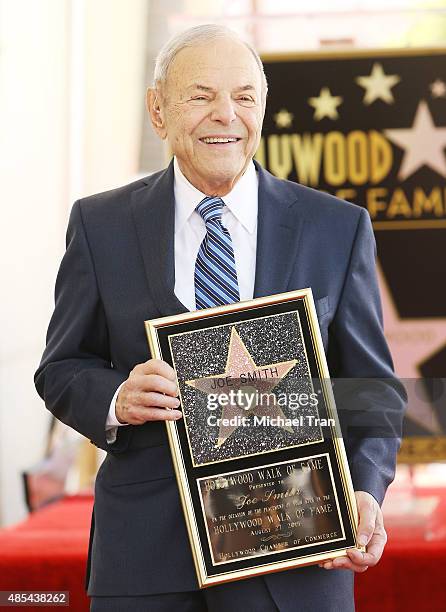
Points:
[(133, 254)]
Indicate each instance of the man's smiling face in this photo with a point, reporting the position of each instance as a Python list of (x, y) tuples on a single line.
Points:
[(211, 111)]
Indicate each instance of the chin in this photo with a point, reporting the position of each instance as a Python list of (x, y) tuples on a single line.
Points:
[(222, 171), (223, 180)]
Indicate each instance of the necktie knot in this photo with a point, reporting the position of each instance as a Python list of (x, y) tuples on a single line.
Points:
[(210, 209)]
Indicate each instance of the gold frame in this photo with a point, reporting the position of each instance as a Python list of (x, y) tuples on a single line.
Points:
[(204, 579)]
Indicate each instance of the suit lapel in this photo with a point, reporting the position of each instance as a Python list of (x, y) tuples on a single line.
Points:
[(153, 209), (279, 230)]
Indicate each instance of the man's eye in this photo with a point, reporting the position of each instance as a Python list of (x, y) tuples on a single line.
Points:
[(246, 99)]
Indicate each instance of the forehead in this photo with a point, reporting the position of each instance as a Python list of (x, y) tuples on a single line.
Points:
[(221, 63)]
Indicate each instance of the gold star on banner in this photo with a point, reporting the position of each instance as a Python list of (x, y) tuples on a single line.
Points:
[(438, 89), (241, 373), (325, 105), (412, 342), (283, 118), (423, 144), (378, 85)]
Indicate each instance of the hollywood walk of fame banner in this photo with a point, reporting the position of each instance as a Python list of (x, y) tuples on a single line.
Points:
[(370, 127), (259, 458)]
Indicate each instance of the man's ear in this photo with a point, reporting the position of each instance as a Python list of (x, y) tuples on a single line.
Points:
[(154, 108)]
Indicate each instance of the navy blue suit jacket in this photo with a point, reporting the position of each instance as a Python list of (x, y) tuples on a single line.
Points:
[(118, 271)]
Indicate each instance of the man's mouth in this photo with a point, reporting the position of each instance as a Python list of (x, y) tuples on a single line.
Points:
[(219, 140)]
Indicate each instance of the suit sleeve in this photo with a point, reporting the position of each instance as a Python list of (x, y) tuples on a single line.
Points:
[(76, 378), (370, 399)]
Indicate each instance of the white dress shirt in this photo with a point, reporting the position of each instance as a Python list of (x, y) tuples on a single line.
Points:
[(239, 217)]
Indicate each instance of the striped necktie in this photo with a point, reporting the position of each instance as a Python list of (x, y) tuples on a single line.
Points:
[(215, 273)]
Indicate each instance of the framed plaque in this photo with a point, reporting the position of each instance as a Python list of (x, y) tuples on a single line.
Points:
[(258, 455)]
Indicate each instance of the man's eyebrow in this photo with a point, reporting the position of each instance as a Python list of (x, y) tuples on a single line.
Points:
[(211, 89), (245, 88), (201, 87)]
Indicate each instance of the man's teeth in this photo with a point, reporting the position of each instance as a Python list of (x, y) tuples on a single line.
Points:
[(212, 140)]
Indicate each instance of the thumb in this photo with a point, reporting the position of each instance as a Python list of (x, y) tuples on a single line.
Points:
[(367, 519)]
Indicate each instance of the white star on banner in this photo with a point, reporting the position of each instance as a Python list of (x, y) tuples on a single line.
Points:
[(412, 342), (378, 85), (283, 118), (438, 89), (325, 105), (423, 143)]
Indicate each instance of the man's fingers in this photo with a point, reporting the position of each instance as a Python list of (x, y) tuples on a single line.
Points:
[(343, 563), (138, 416), (156, 366), (152, 382), (368, 510), (357, 560), (347, 563), (367, 518), (158, 400), (143, 391), (374, 550)]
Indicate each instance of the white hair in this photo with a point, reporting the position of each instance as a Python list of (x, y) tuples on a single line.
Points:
[(192, 37)]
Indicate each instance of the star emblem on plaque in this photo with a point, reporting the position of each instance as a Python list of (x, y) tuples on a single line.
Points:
[(240, 404), (248, 381)]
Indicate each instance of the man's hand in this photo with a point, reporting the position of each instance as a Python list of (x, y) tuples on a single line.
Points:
[(149, 394), (371, 533)]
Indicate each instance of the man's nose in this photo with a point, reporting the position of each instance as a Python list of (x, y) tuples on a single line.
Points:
[(223, 110)]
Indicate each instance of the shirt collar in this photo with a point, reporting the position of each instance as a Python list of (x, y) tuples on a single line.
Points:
[(242, 201)]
